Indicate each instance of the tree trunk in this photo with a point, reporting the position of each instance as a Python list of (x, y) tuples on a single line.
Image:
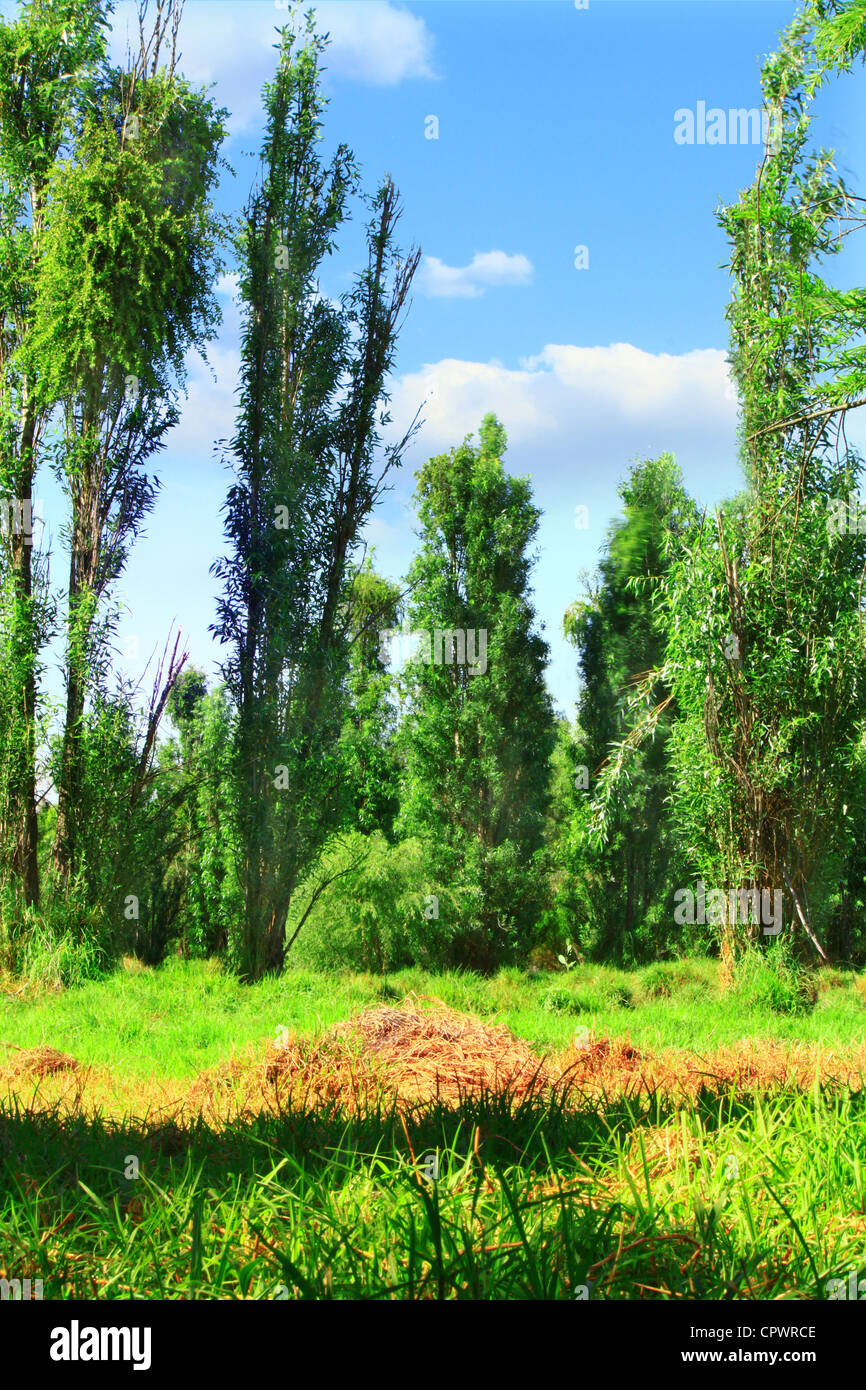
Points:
[(64, 856), (25, 862)]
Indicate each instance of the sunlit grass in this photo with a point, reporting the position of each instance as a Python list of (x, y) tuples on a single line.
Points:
[(183, 1017), (756, 1194)]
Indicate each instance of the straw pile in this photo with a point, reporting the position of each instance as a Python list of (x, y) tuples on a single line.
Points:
[(439, 1053), (421, 1055), (37, 1062), (606, 1067)]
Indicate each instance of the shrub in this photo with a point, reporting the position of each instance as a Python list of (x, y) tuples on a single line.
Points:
[(656, 981), (688, 979), (591, 998), (53, 958), (379, 911), (559, 1000), (771, 981)]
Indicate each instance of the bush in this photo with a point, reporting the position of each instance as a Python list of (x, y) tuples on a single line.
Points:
[(559, 1000), (56, 959), (617, 996), (688, 979), (656, 981), (771, 981), (378, 913), (594, 997)]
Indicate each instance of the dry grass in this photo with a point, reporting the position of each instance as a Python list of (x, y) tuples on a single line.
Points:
[(37, 1062), (440, 1053), (418, 1053), (617, 1068)]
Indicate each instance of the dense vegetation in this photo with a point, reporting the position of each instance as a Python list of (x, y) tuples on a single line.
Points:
[(375, 812), (325, 801), (739, 1192)]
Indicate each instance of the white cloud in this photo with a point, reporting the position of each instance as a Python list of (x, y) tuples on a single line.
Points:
[(576, 419), (232, 44), (591, 406), (376, 42), (209, 408), (227, 285), (486, 270)]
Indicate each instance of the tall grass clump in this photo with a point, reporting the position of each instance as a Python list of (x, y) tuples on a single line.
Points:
[(772, 981)]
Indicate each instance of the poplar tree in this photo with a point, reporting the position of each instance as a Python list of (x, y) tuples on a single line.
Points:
[(124, 289), (622, 884), (479, 733), (369, 736), (309, 468), (763, 606)]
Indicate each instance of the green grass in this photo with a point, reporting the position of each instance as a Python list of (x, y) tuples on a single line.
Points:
[(186, 1016), (725, 1196), (758, 1200)]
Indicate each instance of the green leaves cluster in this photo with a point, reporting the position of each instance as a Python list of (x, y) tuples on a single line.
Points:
[(477, 746)]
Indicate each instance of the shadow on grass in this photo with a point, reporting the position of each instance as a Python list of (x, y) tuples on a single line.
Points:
[(320, 1204), (538, 1132)]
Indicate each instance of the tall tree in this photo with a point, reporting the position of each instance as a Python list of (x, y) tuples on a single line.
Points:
[(625, 877), (202, 770), (479, 729), (124, 289), (309, 471), (763, 607), (49, 58), (369, 743)]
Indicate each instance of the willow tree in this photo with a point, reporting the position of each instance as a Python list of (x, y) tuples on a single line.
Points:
[(763, 610), (309, 468), (620, 887), (49, 58), (124, 289)]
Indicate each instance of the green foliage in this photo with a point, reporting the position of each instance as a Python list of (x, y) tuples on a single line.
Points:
[(123, 289), (130, 249), (589, 989), (438, 818), (618, 886), (763, 609), (376, 913), (50, 955), (478, 736), (761, 606), (667, 979), (201, 766), (309, 470), (126, 894), (773, 981), (49, 59), (371, 768)]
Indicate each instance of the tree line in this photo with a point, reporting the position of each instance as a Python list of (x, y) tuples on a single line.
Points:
[(321, 799)]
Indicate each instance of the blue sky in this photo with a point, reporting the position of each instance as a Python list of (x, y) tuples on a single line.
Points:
[(555, 130)]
